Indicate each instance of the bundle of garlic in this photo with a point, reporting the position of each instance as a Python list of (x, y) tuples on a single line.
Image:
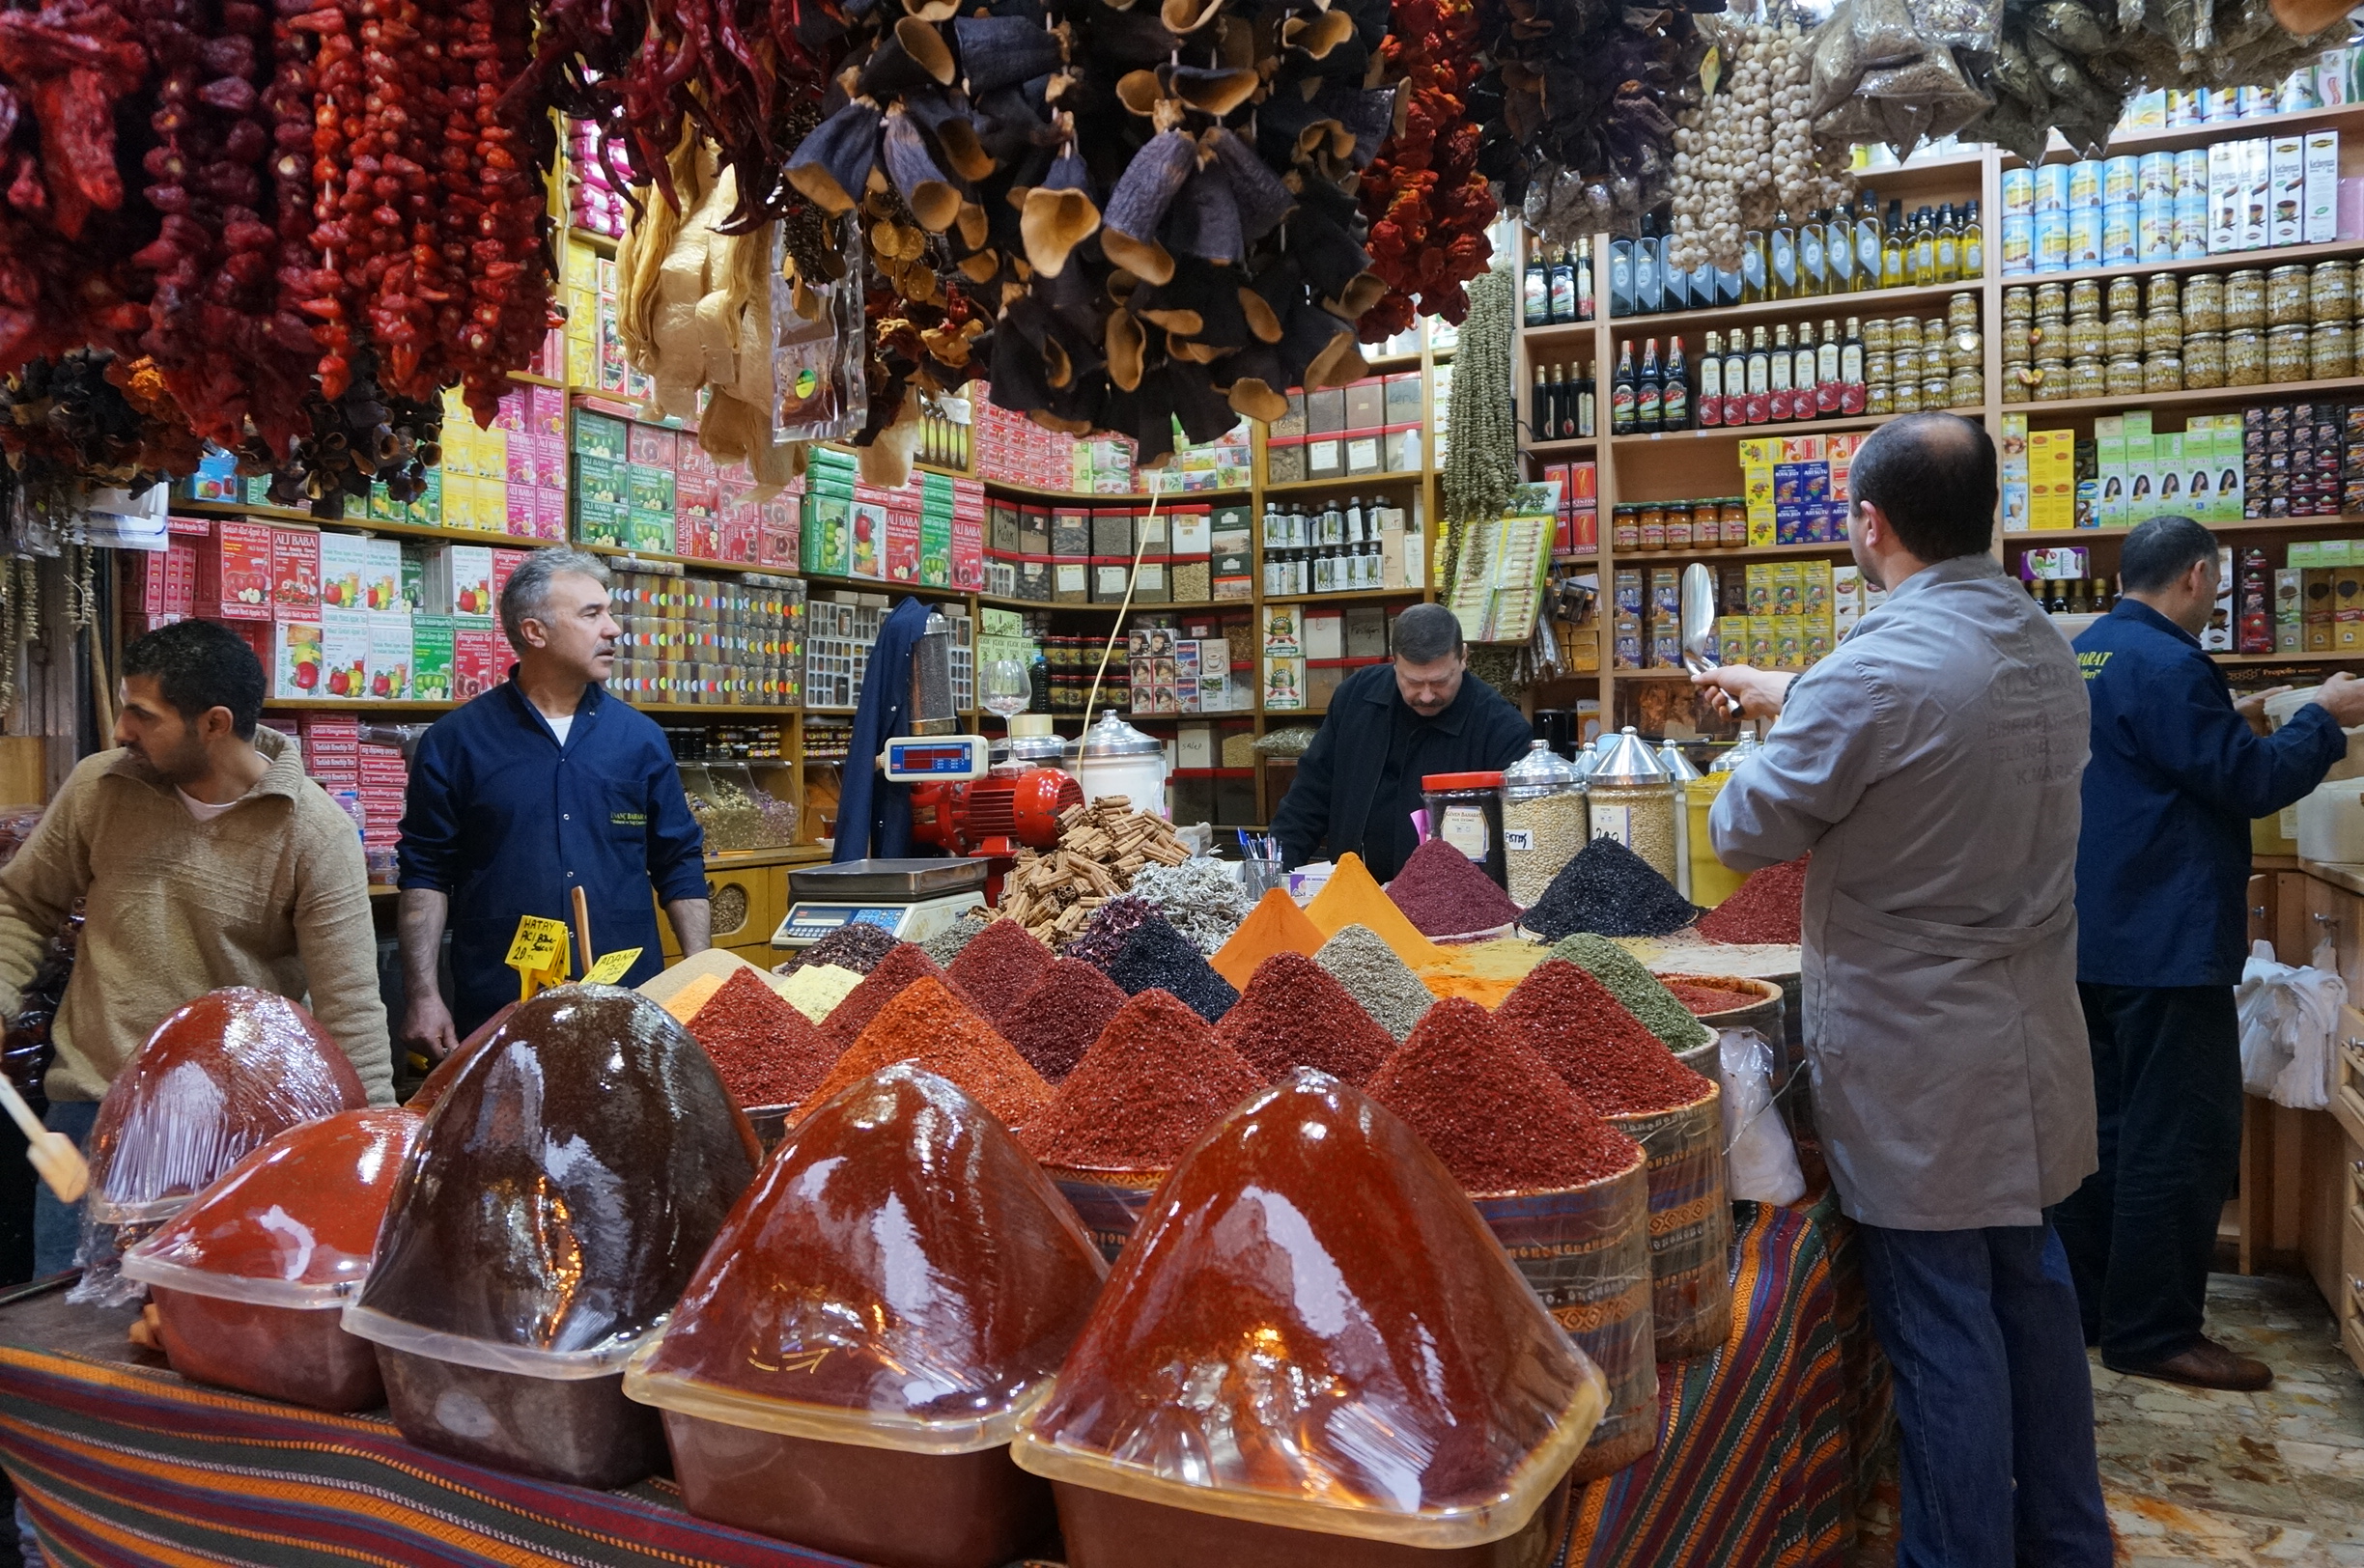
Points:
[(1747, 150)]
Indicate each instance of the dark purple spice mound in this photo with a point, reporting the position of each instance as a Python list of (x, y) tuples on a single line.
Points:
[(1610, 891), (1104, 935), (1444, 893), (1157, 957)]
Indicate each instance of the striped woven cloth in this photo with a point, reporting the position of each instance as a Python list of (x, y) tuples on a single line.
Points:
[(121, 1465)]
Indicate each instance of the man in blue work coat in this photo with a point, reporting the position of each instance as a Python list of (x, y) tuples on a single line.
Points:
[(2176, 773), (542, 785)]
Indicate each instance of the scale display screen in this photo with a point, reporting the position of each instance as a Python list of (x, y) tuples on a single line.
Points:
[(940, 758), (808, 923)]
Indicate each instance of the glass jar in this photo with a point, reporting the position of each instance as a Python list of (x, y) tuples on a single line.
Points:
[(2163, 373), (1875, 336), (2019, 304), (1544, 820), (1936, 390), (2087, 338), (1679, 535), (1625, 528), (2018, 345), (1879, 397), (1905, 363), (2245, 357), (2123, 336), (2123, 376), (2015, 387), (2204, 302), (2051, 299), (2087, 379), (2288, 357), (2204, 361), (1735, 524), (2051, 381), (2163, 332), (2085, 298), (1934, 334), (2124, 297), (2332, 352), (2289, 298), (1961, 310), (2331, 292), (1629, 798), (1965, 388), (2245, 299), (1652, 524), (1466, 811), (1905, 395)]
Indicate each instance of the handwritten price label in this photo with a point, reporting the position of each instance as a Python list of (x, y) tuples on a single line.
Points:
[(612, 967), (539, 953)]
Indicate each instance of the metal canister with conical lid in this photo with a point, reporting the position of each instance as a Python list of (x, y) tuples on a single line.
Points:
[(1630, 798)]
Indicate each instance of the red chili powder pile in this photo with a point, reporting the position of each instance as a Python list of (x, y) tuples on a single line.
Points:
[(1444, 893), (766, 1053), (1703, 998), (1613, 1064), (1055, 1022), (1155, 1080), (1493, 1111), (928, 1024), (997, 967), (1767, 908), (1295, 1014), (891, 973)]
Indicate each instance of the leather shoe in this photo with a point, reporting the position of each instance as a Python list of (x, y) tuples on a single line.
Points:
[(2207, 1364)]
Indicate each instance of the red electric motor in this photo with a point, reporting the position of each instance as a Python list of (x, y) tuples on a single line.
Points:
[(1015, 806)]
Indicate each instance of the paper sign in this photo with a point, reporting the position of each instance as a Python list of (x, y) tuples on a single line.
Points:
[(539, 953), (612, 967)]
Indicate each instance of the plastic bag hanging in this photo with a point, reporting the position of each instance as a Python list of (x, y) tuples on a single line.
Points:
[(819, 375)]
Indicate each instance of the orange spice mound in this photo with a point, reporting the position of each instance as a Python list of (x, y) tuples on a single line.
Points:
[(928, 1024), (1295, 1014), (1276, 925), (1352, 897), (903, 964)]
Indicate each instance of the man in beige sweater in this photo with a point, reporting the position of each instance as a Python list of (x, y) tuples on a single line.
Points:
[(204, 858)]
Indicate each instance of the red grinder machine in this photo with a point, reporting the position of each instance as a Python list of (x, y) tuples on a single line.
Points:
[(1016, 805)]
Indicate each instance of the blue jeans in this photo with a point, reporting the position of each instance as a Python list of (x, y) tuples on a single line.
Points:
[(57, 1227), (1994, 1396)]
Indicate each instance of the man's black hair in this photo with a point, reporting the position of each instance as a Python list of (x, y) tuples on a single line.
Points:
[(1933, 476), (2161, 551), (1424, 633), (199, 666)]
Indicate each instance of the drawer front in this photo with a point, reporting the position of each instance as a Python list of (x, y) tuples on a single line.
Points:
[(2350, 1303), (2348, 1074)]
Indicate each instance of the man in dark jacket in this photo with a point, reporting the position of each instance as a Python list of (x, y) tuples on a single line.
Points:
[(2176, 773), (1388, 727)]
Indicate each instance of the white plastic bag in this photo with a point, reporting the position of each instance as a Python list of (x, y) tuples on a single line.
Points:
[(2287, 1016), (1761, 1162)]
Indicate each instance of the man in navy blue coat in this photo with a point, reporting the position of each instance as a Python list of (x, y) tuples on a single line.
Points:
[(542, 785), (2177, 772)]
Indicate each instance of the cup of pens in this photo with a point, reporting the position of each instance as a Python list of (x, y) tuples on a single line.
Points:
[(1260, 864)]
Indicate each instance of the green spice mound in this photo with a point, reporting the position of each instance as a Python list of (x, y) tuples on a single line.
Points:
[(1659, 1009)]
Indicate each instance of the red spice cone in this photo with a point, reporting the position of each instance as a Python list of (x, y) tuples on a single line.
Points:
[(997, 967), (766, 1053), (1613, 1063), (1155, 1080), (1295, 1014), (927, 1023)]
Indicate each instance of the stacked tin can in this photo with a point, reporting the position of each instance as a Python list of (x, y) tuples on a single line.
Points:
[(2129, 337)]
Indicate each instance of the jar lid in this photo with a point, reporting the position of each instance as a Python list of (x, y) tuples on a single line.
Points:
[(1439, 782), (1541, 769), (1629, 760), (1112, 736), (1677, 766)]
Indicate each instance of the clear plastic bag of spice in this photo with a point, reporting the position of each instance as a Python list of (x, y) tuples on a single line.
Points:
[(820, 364)]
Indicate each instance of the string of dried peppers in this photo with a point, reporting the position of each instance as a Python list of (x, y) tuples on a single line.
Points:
[(1428, 204)]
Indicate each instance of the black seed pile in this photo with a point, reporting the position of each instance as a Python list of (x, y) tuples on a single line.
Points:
[(1104, 935), (1613, 891), (858, 947), (1157, 957)]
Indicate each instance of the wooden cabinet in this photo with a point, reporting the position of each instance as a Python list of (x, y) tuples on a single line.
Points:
[(2302, 1171)]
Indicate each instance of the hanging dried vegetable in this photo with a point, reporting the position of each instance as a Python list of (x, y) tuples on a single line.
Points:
[(366, 433), (1481, 455), (1747, 150), (1428, 207), (64, 422), (1579, 103)]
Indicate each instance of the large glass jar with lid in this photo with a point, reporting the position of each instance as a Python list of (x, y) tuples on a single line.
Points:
[(1630, 798), (1681, 774), (1544, 821), (1115, 759)]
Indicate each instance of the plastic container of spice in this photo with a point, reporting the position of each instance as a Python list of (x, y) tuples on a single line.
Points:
[(249, 1280), (1428, 1336), (809, 1393), (1681, 775), (557, 1201), (1631, 800), (1544, 820), (1465, 811)]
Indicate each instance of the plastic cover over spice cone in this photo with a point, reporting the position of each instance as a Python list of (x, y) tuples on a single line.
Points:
[(440, 1078), (217, 1081), (901, 1276), (561, 1194), (1312, 1329), (295, 1224)]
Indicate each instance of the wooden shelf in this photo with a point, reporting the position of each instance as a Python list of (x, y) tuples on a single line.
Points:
[(1344, 598), (1921, 176), (2350, 655), (2229, 261), (1862, 302), (2175, 138), (1792, 427), (1749, 552), (2202, 397), (1576, 446), (2243, 525), (1345, 482)]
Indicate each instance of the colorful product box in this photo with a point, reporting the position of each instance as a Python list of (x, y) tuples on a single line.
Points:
[(389, 657), (294, 555), (431, 658), (234, 573), (297, 664), (381, 574), (344, 653), (477, 665), (344, 565)]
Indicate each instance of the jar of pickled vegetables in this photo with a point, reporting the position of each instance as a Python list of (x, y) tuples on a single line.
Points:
[(2204, 361)]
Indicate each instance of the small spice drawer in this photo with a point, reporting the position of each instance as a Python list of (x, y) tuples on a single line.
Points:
[(748, 903), (2348, 1082)]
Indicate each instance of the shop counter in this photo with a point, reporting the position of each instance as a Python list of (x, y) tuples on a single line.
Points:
[(1764, 1448)]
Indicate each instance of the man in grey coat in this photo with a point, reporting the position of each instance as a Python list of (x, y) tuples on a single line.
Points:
[(1932, 765)]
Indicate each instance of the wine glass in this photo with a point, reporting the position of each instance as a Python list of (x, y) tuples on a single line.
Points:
[(1008, 688)]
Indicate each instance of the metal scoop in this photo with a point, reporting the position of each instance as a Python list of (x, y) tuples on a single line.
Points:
[(1698, 617)]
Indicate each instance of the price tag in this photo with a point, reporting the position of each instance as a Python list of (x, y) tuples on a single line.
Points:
[(539, 953), (612, 967)]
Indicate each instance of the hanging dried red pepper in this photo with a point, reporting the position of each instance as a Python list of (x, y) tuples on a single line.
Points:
[(1428, 207)]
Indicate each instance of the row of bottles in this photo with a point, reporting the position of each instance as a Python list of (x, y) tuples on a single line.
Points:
[(1834, 251), (1557, 287), (2076, 596), (1756, 384), (1563, 405)]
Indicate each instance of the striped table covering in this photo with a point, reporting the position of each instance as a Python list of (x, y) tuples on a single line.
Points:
[(121, 1465)]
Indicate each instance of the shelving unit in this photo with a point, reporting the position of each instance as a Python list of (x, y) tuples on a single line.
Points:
[(1700, 464)]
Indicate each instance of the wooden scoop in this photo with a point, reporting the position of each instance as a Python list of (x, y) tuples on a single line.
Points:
[(53, 1155)]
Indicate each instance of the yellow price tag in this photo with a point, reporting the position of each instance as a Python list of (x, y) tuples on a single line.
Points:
[(612, 967), (539, 953)]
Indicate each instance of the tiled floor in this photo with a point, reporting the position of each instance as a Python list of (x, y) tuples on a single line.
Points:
[(2267, 1481)]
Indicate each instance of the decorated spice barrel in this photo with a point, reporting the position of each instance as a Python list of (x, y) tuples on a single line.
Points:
[(1731, 1001), (1587, 1252), (1109, 1202), (1690, 1223)]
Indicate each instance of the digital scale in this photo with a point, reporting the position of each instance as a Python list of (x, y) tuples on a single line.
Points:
[(910, 900), (936, 759)]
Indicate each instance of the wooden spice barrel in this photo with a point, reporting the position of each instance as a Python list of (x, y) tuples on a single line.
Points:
[(1586, 1250), (770, 1123), (1690, 1223), (1109, 1202), (1763, 1015)]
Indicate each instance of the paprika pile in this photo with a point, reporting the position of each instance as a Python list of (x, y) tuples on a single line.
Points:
[(927, 1023), (1154, 1081), (1295, 1014), (1055, 1022), (1569, 1019)]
